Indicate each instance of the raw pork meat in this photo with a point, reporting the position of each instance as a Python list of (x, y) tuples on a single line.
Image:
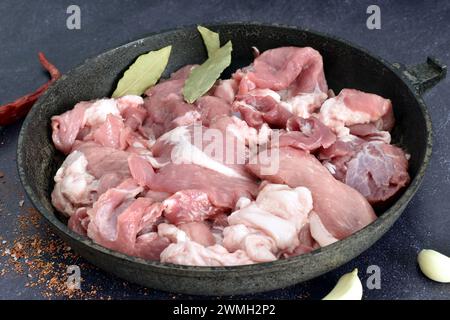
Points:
[(353, 107), (341, 209), (187, 183), (271, 224)]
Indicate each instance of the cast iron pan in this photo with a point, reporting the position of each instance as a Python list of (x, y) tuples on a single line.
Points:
[(346, 66)]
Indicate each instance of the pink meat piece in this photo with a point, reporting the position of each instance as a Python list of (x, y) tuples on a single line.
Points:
[(210, 107), (104, 160), (298, 69), (375, 168), (165, 103), (117, 219), (259, 109), (171, 113), (108, 134), (141, 170), (132, 111), (79, 221), (341, 209), (150, 245), (307, 134), (370, 132), (335, 157), (75, 186), (353, 107), (157, 196), (226, 90), (86, 121), (378, 171), (151, 218), (211, 148), (188, 206), (65, 127), (223, 191), (199, 232)]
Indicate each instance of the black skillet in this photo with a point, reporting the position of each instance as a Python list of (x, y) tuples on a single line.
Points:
[(345, 65)]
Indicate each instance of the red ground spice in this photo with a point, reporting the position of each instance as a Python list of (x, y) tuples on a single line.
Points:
[(38, 257)]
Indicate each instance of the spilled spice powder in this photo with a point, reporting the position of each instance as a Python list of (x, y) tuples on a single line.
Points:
[(37, 253)]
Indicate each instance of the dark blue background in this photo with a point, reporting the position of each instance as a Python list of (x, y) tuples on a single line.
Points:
[(410, 30)]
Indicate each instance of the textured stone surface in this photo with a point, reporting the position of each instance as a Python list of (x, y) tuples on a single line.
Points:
[(409, 33)]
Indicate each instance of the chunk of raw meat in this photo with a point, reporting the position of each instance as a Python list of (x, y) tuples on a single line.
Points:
[(223, 191), (141, 170), (76, 124), (297, 69), (335, 157), (370, 132), (258, 246), (341, 209), (79, 221), (210, 108), (165, 103), (353, 107), (66, 126), (306, 134), (108, 134), (104, 160), (271, 224), (150, 245), (117, 219), (378, 171), (375, 168), (188, 206), (226, 90), (199, 232), (74, 186), (104, 226), (205, 147), (257, 109), (194, 254)]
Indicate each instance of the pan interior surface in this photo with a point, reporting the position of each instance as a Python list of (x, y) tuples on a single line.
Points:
[(345, 67)]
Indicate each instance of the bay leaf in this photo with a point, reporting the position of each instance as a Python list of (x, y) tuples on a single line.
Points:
[(210, 39), (203, 77), (143, 73)]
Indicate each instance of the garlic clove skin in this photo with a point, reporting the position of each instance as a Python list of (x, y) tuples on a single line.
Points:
[(349, 287), (434, 265)]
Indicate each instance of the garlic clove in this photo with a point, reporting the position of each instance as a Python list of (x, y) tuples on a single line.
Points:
[(349, 287), (434, 265)]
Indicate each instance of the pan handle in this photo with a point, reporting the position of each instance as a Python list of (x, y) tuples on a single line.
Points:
[(425, 75)]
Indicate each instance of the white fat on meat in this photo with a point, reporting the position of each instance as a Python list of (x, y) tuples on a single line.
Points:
[(304, 104), (279, 212), (249, 135), (194, 254), (258, 246), (172, 233), (319, 232), (337, 116), (287, 203), (99, 110), (187, 118), (185, 251), (74, 184), (184, 152), (129, 101)]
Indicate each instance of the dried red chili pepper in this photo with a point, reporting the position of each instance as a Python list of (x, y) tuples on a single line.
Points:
[(13, 111)]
